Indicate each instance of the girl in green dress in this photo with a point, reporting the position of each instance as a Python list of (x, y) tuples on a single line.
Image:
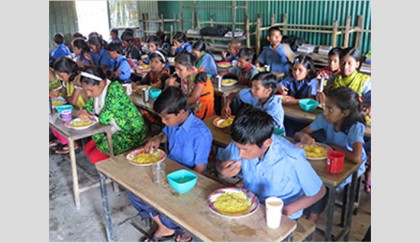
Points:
[(109, 101)]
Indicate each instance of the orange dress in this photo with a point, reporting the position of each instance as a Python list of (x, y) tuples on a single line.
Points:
[(204, 107)]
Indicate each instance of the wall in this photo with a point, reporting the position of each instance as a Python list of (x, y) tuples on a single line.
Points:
[(63, 19)]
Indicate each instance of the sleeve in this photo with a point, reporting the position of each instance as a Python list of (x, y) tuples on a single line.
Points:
[(285, 83), (212, 69), (231, 152), (307, 177), (202, 145), (233, 70), (275, 109), (201, 77), (282, 54), (261, 57), (367, 88), (113, 101), (318, 123), (245, 96), (89, 105), (313, 87), (356, 133), (254, 72), (188, 47), (125, 69)]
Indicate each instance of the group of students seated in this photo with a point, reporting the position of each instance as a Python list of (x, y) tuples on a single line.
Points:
[(97, 76)]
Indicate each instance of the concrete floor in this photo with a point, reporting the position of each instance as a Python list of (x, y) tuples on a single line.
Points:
[(87, 224)]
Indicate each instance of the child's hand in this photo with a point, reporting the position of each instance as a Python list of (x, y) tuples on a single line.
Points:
[(307, 139), (226, 111), (320, 97), (257, 64), (282, 90), (152, 144), (140, 62), (84, 115), (171, 82), (224, 55), (230, 168), (322, 74)]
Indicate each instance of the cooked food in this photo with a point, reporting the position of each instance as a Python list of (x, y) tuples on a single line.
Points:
[(145, 158), (314, 151), (80, 123), (368, 119), (228, 81), (226, 122), (171, 59), (57, 102), (224, 64), (143, 66), (232, 203)]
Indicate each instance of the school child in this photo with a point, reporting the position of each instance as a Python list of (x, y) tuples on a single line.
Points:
[(114, 36), (189, 141), (55, 85), (261, 95), (110, 103), (60, 50), (333, 65), (269, 165), (158, 72), (165, 46), (349, 77), (205, 60), (131, 51), (232, 52), (153, 44), (180, 43), (274, 54), (195, 83), (81, 49), (100, 56), (344, 126), (121, 68), (244, 70), (302, 83), (78, 35)]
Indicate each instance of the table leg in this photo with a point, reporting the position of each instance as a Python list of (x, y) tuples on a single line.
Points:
[(349, 211), (289, 238), (111, 148), (74, 173), (330, 213), (105, 203)]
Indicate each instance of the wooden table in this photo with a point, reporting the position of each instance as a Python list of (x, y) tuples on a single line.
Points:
[(189, 210), (139, 102), (294, 112), (72, 135)]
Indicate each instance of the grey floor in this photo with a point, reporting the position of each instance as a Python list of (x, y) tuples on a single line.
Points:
[(87, 224)]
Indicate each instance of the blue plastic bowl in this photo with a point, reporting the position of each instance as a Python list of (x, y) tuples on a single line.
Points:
[(154, 93), (308, 104), (182, 180), (61, 108)]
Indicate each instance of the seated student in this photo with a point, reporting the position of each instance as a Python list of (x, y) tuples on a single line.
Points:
[(165, 46), (269, 165), (180, 43), (244, 71), (261, 95), (81, 52), (274, 55), (110, 103), (302, 83), (205, 60), (60, 50), (189, 141), (333, 65), (121, 68), (153, 44), (158, 72), (114, 36), (195, 83), (232, 52), (349, 77), (100, 56), (131, 51)]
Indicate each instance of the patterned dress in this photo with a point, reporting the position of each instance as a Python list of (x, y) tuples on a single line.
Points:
[(118, 106)]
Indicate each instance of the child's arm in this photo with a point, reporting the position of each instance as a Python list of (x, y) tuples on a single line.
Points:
[(192, 99), (229, 168), (303, 135), (155, 141), (355, 156), (200, 168), (226, 111), (303, 202)]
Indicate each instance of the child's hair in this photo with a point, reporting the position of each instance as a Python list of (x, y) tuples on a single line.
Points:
[(58, 38), (115, 47), (161, 35), (268, 80), (272, 29), (94, 34), (115, 31), (155, 40), (172, 100), (252, 126), (246, 53), (186, 59), (80, 43), (353, 52), (336, 51), (308, 63), (180, 37), (95, 71), (65, 65), (347, 99), (78, 35), (128, 30), (160, 56), (199, 45), (97, 41), (236, 44)]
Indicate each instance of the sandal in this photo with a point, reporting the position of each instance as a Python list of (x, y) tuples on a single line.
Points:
[(159, 239), (53, 143), (66, 150), (183, 235)]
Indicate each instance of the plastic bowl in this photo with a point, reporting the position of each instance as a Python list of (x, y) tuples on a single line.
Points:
[(308, 104), (154, 93), (61, 108), (182, 180)]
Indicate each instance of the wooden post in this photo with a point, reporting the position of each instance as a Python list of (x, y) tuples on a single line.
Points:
[(144, 24), (284, 31), (211, 20), (162, 24), (233, 18), (359, 32), (198, 22), (258, 36), (181, 17), (272, 20), (347, 33), (334, 34), (171, 33), (247, 34)]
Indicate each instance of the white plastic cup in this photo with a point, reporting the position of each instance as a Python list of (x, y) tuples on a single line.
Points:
[(158, 172), (66, 115), (273, 211)]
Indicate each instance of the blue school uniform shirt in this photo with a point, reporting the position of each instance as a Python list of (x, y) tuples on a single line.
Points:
[(186, 46), (355, 134), (189, 143), (283, 172), (103, 58), (121, 63), (230, 58), (116, 40), (60, 50), (300, 89), (244, 75), (208, 63), (273, 106), (277, 59)]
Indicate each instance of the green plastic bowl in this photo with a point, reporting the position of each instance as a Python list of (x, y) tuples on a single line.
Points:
[(308, 104), (182, 180)]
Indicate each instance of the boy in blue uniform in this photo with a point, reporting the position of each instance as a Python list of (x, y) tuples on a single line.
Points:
[(269, 165), (121, 66), (60, 50), (180, 43), (189, 142), (274, 55), (244, 70)]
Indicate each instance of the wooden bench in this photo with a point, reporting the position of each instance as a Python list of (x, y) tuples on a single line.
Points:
[(304, 230)]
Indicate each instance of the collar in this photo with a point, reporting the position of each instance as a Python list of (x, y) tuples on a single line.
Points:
[(187, 123), (247, 68)]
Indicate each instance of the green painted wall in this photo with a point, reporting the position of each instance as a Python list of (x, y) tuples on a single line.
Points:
[(63, 19)]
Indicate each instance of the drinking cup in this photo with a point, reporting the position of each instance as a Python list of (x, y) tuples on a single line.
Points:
[(273, 211)]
